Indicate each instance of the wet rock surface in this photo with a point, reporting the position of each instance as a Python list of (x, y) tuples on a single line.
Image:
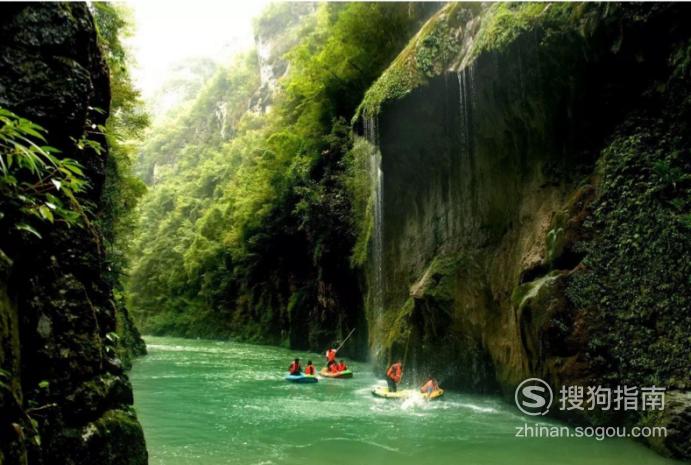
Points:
[(69, 399), (503, 177)]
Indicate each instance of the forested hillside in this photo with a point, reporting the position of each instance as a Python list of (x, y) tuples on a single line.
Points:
[(249, 224)]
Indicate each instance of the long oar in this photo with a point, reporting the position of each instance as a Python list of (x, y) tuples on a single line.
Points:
[(344, 340), (405, 354)]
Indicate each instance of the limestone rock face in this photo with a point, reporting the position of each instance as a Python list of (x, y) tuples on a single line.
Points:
[(68, 400), (525, 230)]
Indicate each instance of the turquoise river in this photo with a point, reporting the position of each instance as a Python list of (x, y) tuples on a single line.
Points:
[(211, 403)]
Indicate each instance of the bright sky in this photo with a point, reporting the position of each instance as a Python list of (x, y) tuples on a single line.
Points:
[(168, 31)]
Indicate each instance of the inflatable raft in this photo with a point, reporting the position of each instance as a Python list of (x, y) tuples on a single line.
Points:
[(301, 378), (383, 392), (341, 374)]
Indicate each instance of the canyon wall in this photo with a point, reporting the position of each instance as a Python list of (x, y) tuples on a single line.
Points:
[(63, 393), (530, 202)]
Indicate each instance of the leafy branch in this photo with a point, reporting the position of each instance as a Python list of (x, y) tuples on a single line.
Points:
[(34, 183)]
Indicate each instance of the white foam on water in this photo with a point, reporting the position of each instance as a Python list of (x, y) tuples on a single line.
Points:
[(477, 408), (415, 400)]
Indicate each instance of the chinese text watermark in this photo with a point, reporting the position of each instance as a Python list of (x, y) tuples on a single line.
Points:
[(534, 396)]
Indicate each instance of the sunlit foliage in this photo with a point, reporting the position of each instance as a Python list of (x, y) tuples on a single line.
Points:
[(125, 126), (35, 184), (249, 211)]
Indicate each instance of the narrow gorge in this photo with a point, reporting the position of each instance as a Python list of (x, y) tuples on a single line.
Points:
[(487, 192)]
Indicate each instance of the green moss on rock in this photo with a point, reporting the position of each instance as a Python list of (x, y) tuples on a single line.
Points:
[(581, 273), (636, 270), (435, 291), (116, 438), (52, 72), (358, 181), (427, 55), (129, 343)]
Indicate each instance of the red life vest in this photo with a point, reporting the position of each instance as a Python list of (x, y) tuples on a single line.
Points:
[(294, 368), (330, 355), (342, 367), (333, 368), (309, 370), (394, 372)]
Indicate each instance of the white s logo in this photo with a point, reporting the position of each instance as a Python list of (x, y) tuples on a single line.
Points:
[(533, 397)]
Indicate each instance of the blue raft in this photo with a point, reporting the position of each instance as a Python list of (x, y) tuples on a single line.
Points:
[(301, 378)]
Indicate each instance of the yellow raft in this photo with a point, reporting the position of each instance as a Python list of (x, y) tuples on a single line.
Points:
[(341, 374), (382, 391)]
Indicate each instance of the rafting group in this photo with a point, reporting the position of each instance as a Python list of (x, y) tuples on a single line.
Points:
[(430, 390), (333, 369)]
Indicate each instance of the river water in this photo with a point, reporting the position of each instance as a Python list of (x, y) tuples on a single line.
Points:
[(211, 403)]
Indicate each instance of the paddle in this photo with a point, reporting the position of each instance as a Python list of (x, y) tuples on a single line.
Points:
[(344, 340), (405, 355)]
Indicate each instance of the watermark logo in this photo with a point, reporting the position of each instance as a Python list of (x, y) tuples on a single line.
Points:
[(600, 433), (534, 397), (616, 398)]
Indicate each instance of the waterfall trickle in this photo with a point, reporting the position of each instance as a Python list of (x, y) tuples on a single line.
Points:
[(222, 116), (464, 105), (466, 161), (377, 254)]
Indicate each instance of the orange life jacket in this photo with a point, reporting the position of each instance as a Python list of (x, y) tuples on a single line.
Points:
[(330, 355), (294, 368), (395, 372), (309, 370), (342, 367), (333, 368)]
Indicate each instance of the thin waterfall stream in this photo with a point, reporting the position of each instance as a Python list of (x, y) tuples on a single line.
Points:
[(377, 241)]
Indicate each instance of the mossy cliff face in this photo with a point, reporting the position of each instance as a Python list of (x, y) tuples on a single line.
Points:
[(535, 213), (63, 388)]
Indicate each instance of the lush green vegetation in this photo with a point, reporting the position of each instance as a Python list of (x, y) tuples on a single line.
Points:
[(36, 186), (249, 221), (122, 189), (639, 232), (436, 47), (427, 55), (123, 129)]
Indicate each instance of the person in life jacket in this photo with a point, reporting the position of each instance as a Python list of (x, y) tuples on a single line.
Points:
[(309, 369), (342, 366), (295, 367), (393, 375), (333, 367), (330, 356), (430, 386)]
